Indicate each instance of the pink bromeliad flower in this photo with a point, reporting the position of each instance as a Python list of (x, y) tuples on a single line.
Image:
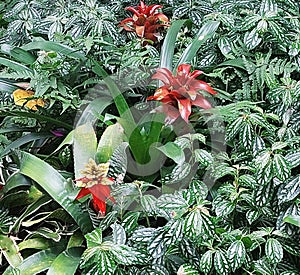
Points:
[(180, 92), (146, 21)]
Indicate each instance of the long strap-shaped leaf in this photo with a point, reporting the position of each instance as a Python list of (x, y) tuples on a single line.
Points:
[(14, 65), (54, 184), (37, 262), (204, 33), (167, 49), (67, 262)]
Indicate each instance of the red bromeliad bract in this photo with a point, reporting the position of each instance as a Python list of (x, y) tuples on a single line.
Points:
[(96, 183), (146, 21), (180, 92)]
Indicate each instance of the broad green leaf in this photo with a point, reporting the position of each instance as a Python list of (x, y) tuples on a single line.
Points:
[(34, 243), (111, 138), (206, 32), (252, 215), (292, 219), (54, 184), (173, 151), (274, 251), (130, 221), (85, 144), (293, 159), (14, 181), (236, 254), (206, 261), (37, 262), (221, 263), (67, 262), (143, 235), (10, 250), (108, 220), (223, 207)]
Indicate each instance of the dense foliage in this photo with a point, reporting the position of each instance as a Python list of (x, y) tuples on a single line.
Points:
[(106, 170)]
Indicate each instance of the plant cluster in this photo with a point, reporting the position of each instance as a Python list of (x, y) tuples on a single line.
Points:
[(157, 137)]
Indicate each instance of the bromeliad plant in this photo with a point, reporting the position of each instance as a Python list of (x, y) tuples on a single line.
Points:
[(146, 22), (234, 211), (180, 92)]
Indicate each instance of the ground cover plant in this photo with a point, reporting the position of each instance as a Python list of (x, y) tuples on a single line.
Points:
[(156, 137)]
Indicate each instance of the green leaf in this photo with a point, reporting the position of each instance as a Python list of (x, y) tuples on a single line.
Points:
[(84, 149), (67, 262), (199, 189), (221, 263), (281, 167), (34, 243), (18, 54), (54, 46), (173, 151), (236, 254), (202, 36), (111, 138), (167, 49), (252, 39), (290, 190), (203, 157), (37, 262), (54, 184), (223, 207), (94, 239), (14, 65), (274, 251), (187, 269), (193, 224), (24, 140), (172, 201), (293, 159), (10, 250), (119, 234), (292, 219), (206, 261), (105, 264), (158, 244)]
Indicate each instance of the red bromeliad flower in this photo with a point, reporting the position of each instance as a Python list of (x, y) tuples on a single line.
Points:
[(145, 21), (180, 92), (96, 183)]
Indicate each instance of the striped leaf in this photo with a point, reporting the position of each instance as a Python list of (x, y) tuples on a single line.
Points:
[(206, 261), (221, 263), (274, 251), (281, 167), (236, 254)]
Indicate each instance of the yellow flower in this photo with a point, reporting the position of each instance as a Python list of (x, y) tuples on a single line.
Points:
[(21, 99)]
